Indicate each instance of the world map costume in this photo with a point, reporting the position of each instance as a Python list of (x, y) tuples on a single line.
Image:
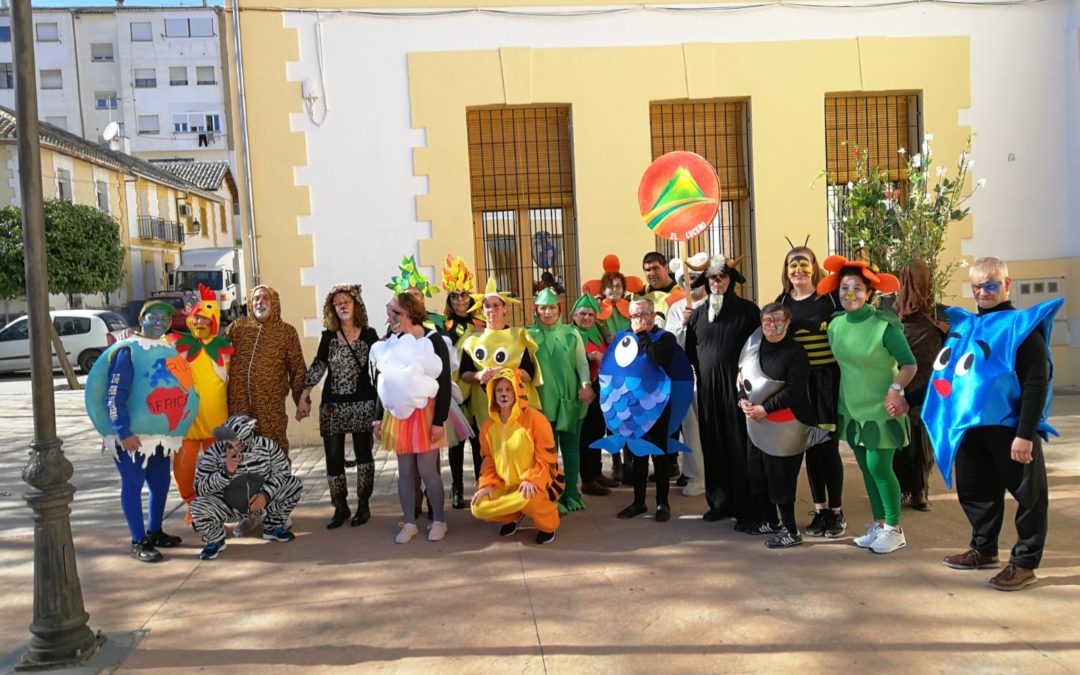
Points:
[(520, 449), (208, 354), (561, 355), (141, 387)]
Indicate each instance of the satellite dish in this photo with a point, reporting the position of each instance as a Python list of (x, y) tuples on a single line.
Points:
[(111, 131)]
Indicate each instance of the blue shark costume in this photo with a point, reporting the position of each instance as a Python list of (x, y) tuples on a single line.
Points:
[(991, 384)]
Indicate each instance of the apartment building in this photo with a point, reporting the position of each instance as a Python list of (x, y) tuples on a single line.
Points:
[(156, 72)]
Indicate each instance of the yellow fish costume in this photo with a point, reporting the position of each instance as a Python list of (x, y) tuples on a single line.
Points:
[(518, 450), (207, 354)]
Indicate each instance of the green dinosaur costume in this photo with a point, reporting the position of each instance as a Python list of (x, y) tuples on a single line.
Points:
[(561, 356)]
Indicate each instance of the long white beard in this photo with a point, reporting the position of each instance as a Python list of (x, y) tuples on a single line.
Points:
[(716, 302)]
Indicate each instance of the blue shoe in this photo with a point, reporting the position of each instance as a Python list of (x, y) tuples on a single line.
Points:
[(279, 533), (211, 550)]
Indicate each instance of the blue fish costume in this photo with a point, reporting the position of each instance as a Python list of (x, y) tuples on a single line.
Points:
[(974, 381), (634, 392)]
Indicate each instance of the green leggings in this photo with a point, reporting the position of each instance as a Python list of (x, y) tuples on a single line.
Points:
[(569, 448), (882, 487)]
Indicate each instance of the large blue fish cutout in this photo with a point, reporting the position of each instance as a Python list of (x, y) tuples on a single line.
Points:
[(634, 392), (974, 381)]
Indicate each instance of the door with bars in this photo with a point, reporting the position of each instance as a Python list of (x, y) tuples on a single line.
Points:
[(524, 230)]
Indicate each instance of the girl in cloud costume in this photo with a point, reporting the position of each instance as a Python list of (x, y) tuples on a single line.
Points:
[(520, 474), (974, 382), (567, 388)]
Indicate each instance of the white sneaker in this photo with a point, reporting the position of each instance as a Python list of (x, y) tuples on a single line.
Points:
[(694, 488), (437, 531), (408, 531), (872, 532), (889, 540)]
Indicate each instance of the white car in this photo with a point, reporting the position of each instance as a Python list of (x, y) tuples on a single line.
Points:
[(85, 334)]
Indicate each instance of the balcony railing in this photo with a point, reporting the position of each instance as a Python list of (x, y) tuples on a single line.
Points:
[(159, 229)]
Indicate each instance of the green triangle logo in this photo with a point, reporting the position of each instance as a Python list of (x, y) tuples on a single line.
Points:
[(681, 187)]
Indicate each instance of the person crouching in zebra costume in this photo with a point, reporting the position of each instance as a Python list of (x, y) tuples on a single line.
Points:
[(240, 474)]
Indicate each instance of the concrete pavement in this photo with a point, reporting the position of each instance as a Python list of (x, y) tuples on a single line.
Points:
[(607, 595)]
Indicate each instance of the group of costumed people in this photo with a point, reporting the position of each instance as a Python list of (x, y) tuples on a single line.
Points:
[(675, 363)]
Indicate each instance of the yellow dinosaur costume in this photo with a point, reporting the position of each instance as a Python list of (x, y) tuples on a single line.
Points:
[(207, 354), (520, 449)]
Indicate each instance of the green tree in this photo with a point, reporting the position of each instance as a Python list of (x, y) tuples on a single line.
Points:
[(85, 253)]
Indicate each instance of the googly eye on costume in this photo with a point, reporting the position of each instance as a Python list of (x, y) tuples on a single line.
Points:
[(626, 351)]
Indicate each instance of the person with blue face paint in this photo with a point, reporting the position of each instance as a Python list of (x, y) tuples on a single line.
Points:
[(1000, 447), (140, 396)]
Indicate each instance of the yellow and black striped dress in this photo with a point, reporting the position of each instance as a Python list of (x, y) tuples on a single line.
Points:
[(809, 328)]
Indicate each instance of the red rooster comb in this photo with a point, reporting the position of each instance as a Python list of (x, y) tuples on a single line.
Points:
[(206, 293)]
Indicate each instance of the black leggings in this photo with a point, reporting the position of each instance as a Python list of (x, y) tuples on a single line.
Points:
[(825, 472), (335, 451), (662, 466)]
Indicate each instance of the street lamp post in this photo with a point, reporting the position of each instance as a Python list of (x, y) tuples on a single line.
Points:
[(60, 634)]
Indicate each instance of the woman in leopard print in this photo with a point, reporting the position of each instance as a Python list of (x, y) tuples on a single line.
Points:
[(348, 398)]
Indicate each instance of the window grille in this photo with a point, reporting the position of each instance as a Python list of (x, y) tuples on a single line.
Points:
[(719, 131), (524, 227), (881, 124)]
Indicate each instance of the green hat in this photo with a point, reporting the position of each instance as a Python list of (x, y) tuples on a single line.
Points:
[(547, 297), (156, 304), (410, 276), (586, 301)]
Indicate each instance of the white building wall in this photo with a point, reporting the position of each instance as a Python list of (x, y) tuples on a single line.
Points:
[(58, 55), (1024, 103)]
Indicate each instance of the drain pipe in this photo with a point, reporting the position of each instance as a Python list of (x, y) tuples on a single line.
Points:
[(250, 198)]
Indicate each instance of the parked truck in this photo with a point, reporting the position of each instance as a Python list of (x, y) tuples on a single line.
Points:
[(221, 270)]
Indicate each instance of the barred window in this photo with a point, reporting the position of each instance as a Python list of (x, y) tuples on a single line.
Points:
[(524, 228), (719, 131), (881, 124)]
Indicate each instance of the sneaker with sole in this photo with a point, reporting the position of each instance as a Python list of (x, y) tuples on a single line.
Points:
[(1014, 578), (835, 524), (510, 528), (544, 537), (970, 560), (211, 550), (785, 539), (160, 539), (816, 528), (143, 551), (763, 527), (437, 531), (888, 540), (279, 533), (407, 532), (872, 532)]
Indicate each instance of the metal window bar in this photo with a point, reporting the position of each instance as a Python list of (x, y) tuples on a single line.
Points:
[(882, 124), (719, 131), (525, 231)]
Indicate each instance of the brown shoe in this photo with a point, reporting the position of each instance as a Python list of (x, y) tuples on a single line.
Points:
[(970, 560), (595, 489), (1013, 578), (604, 481)]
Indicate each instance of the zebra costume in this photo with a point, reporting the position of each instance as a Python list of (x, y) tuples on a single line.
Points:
[(263, 468)]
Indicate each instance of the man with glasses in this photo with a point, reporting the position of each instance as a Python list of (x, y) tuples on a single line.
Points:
[(715, 335)]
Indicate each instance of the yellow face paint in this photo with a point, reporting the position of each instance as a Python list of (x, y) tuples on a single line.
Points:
[(800, 266)]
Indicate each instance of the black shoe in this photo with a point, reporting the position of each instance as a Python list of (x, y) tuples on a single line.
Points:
[(785, 539), (616, 470), (675, 470), (544, 537), (663, 513), (763, 527), (682, 480), (633, 510), (161, 540), (457, 498), (363, 514), (713, 515), (144, 552), (418, 511), (835, 524), (744, 525), (817, 526), (510, 528), (341, 514)]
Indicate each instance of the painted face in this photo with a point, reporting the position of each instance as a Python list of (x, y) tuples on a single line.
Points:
[(344, 307), (853, 293), (459, 302), (585, 318), (800, 269), (504, 393), (394, 316), (200, 327), (641, 318), (549, 314), (615, 290), (774, 326), (260, 304), (155, 322), (495, 311), (656, 274), (204, 316), (718, 284), (990, 290)]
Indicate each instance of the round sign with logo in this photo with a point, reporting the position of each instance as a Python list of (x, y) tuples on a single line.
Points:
[(679, 196)]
